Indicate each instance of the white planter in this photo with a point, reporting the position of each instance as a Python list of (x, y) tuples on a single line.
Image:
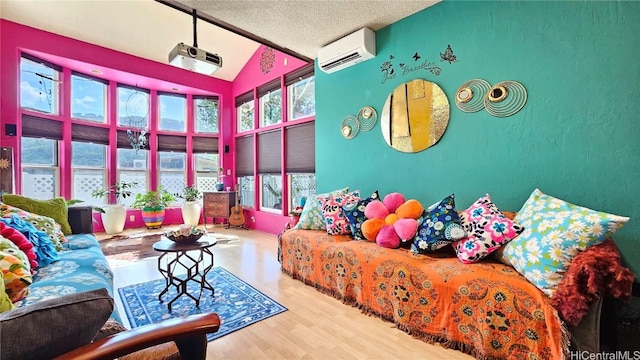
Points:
[(191, 212), (113, 218)]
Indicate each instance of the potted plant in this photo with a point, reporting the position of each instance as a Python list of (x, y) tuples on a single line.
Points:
[(152, 204), (220, 184), (294, 216), (191, 207), (113, 214)]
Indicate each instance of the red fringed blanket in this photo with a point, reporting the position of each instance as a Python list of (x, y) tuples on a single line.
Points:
[(593, 273)]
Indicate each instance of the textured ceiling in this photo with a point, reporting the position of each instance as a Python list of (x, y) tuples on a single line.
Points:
[(305, 26), (150, 29)]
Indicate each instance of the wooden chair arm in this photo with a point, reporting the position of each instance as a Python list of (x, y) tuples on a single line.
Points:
[(189, 334)]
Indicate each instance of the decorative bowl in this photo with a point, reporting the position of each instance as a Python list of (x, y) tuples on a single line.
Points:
[(193, 236)]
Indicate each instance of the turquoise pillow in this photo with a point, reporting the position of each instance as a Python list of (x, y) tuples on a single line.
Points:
[(312, 217), (555, 232), (438, 226)]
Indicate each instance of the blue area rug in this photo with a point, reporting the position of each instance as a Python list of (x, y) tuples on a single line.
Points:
[(237, 303)]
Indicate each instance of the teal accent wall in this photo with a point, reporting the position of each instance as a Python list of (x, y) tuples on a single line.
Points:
[(577, 138)]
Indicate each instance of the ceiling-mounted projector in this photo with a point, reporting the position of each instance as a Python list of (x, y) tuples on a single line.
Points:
[(194, 59)]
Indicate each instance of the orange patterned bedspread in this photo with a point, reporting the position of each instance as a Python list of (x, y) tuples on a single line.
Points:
[(485, 309)]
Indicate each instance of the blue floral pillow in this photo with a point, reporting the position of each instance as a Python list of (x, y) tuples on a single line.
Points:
[(355, 215), (438, 226), (555, 232), (44, 248)]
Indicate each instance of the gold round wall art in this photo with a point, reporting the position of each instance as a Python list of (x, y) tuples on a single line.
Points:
[(415, 116), (349, 127), (505, 98), (367, 117), (470, 95)]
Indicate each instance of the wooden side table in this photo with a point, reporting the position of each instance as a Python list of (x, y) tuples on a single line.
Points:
[(197, 267), (217, 205)]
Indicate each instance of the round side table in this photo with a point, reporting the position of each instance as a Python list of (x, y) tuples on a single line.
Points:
[(197, 265)]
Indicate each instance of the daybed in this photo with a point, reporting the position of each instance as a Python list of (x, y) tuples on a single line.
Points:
[(486, 309)]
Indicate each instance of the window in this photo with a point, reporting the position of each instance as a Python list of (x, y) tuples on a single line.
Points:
[(132, 167), (270, 96), (247, 191), (39, 82), (39, 167), (172, 171), (300, 162), (133, 107), (245, 116), (89, 169), (301, 186), (245, 112), (271, 194), (206, 168), (206, 114), (271, 108), (172, 112), (88, 98), (244, 170), (301, 99)]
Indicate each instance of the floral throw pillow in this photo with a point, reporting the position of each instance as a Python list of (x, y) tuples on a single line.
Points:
[(438, 226), (555, 231), (487, 230), (16, 270), (355, 214), (311, 217), (40, 222), (336, 222)]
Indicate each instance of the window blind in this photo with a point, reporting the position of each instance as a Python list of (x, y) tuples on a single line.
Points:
[(88, 133), (304, 72), (270, 86), (207, 145), (246, 97), (123, 140), (269, 152), (172, 143), (301, 148), (33, 126), (244, 156)]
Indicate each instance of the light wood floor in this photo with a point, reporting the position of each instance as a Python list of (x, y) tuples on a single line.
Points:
[(316, 326)]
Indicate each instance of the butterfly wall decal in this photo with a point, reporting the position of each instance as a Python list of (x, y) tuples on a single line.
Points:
[(448, 55)]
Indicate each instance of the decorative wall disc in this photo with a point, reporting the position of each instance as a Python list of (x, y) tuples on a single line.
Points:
[(350, 127), (505, 98), (470, 95), (415, 116), (367, 118)]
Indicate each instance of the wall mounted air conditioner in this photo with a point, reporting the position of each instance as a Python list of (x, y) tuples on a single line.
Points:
[(347, 51)]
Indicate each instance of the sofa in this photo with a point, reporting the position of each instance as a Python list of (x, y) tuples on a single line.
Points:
[(69, 313), (486, 309), (82, 267)]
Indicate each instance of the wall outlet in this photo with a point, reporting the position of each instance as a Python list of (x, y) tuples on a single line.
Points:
[(228, 171), (132, 218), (253, 219)]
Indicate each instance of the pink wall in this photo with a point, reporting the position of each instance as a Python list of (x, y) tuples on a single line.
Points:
[(116, 66), (127, 69), (248, 79)]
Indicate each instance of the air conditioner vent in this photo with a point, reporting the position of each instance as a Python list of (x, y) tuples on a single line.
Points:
[(344, 60)]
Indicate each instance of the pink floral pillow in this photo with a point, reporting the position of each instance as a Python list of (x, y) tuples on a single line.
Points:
[(487, 228), (337, 223)]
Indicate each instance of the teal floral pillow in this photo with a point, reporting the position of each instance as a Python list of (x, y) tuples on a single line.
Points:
[(312, 217), (555, 232)]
